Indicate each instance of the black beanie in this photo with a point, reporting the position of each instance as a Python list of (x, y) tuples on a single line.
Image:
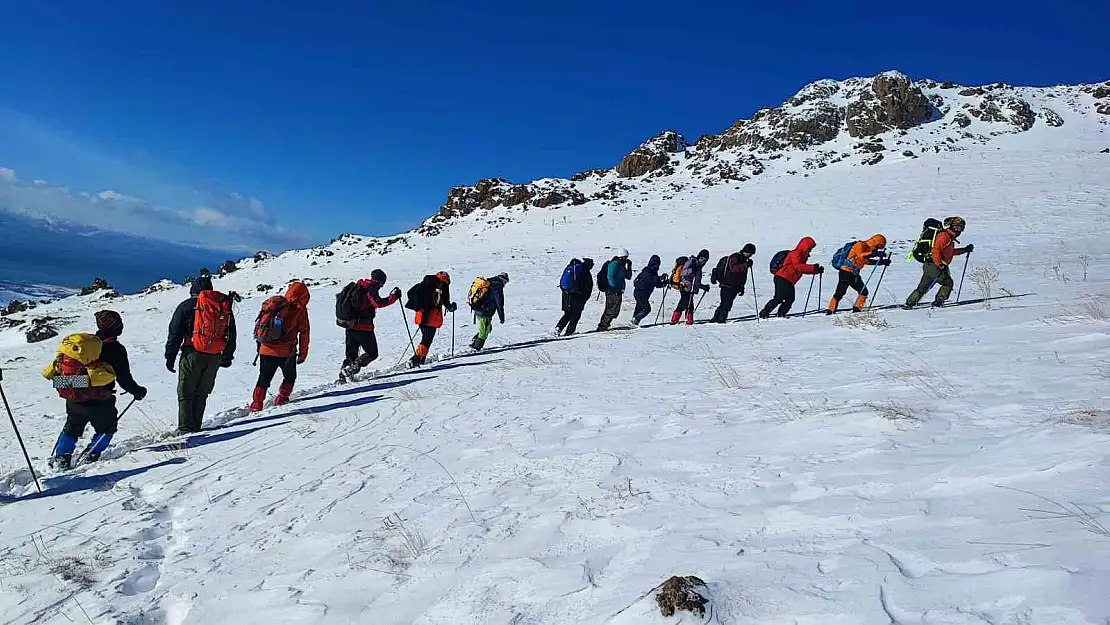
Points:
[(109, 323), (749, 249), (203, 283), (703, 254), (378, 276)]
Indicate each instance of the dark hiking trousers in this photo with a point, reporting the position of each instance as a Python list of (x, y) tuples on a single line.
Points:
[(364, 339), (196, 377), (685, 303), (931, 274), (728, 296), (101, 414), (613, 301), (573, 305), (643, 307), (268, 367), (849, 279), (784, 298)]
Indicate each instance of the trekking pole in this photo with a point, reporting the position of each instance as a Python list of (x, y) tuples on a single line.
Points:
[(452, 334), (877, 285), (820, 284), (412, 343), (755, 297), (18, 437), (659, 313), (698, 305), (967, 257), (805, 309)]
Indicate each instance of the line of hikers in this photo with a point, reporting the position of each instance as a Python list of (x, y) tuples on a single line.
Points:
[(202, 336), (934, 249), (202, 339)]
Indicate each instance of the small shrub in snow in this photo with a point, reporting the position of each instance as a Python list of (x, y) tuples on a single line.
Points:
[(1094, 308), (1085, 263), (1089, 417), (893, 411), (682, 594), (868, 319), (925, 378), (1071, 511), (985, 278), (72, 569), (533, 359)]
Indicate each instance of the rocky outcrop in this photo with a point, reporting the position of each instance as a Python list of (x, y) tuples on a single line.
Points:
[(16, 306), (961, 120), (892, 102), (158, 287), (41, 330), (682, 594), (1051, 117), (651, 155), (555, 196), (99, 284), (1103, 108), (228, 267), (1005, 109), (262, 288), (262, 255), (589, 173)]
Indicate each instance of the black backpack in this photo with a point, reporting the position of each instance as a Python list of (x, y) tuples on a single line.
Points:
[(719, 271), (922, 250), (603, 277), (778, 259), (350, 305), (422, 294)]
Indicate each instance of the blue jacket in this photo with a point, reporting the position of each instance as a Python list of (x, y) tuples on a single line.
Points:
[(649, 279), (619, 272)]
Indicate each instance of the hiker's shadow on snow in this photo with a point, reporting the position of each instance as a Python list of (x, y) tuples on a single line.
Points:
[(339, 405), (64, 485), (368, 388), (445, 366), (200, 440)]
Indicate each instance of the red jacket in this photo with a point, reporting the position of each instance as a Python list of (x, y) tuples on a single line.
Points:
[(296, 333), (794, 266), (375, 301)]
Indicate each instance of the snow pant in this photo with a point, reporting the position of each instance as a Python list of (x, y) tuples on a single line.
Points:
[(485, 327), (613, 301), (196, 378), (930, 275), (643, 307), (268, 367), (427, 335), (728, 296), (103, 417), (685, 303), (849, 279), (573, 305), (784, 298), (364, 339)]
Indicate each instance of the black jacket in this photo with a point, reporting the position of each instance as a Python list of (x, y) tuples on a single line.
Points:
[(181, 332), (732, 271), (114, 354)]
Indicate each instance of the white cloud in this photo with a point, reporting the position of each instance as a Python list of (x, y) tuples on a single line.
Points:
[(219, 219)]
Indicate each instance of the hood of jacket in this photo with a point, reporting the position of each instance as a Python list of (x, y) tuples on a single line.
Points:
[(806, 245), (654, 263), (876, 242), (298, 294), (588, 263)]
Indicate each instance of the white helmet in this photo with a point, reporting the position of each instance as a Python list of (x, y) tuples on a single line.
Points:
[(622, 252)]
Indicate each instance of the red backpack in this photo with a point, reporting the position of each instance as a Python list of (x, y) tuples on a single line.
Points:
[(269, 327), (210, 322)]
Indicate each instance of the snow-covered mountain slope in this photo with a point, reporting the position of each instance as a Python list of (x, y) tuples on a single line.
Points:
[(907, 467)]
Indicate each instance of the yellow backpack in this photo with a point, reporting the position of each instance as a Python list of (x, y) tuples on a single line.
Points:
[(77, 372), (479, 291)]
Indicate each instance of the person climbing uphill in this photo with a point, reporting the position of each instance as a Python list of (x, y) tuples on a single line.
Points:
[(937, 266), (850, 261), (282, 332), (429, 299), (99, 361), (791, 269), (616, 272), (203, 331), (486, 298), (689, 285), (355, 308), (576, 286), (731, 273), (645, 284)]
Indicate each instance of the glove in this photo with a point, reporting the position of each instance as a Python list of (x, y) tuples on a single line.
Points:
[(301, 359), (395, 293), (139, 393), (705, 287), (969, 248), (884, 261), (225, 364), (169, 365), (818, 269), (452, 307)]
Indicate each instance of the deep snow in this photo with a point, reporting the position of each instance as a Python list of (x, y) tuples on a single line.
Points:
[(923, 467)]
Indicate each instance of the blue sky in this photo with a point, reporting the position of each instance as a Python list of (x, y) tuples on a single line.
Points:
[(284, 123)]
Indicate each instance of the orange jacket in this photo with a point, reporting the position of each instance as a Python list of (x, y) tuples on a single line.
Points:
[(860, 254), (296, 331), (944, 248)]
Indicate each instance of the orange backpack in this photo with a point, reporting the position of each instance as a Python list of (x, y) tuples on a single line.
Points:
[(210, 322)]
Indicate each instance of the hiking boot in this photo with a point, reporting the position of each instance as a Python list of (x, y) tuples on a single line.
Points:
[(90, 456), (856, 309), (61, 463), (689, 319), (258, 399), (675, 317), (938, 304), (284, 391), (830, 311)]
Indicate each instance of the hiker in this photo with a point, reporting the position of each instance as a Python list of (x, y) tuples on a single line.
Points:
[(689, 285), (616, 272), (486, 298), (203, 331), (850, 260), (731, 273), (282, 332), (355, 308), (787, 271), (100, 361), (937, 266), (644, 285), (576, 286), (429, 299)]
